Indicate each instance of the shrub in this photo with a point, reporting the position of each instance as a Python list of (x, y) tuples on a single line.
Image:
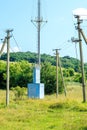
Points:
[(78, 78), (19, 92)]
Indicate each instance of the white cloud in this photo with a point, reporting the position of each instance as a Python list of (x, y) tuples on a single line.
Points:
[(82, 12)]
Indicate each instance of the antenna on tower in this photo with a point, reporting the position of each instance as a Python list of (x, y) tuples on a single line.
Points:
[(37, 87), (37, 22)]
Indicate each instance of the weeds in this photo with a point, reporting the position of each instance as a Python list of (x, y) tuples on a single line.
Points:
[(18, 92), (62, 113), (73, 106)]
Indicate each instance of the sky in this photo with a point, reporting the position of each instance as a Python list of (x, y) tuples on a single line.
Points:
[(55, 34)]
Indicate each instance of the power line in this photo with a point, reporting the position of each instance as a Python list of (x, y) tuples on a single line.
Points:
[(15, 41), (11, 49)]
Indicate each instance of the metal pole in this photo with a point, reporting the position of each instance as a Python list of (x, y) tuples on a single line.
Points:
[(2, 48), (57, 72), (39, 22), (81, 58), (8, 52)]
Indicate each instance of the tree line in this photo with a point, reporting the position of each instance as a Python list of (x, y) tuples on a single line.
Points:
[(31, 57), (21, 70)]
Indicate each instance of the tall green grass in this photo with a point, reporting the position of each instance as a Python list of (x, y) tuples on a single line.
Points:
[(50, 113)]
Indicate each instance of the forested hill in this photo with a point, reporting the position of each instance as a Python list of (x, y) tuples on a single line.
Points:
[(66, 61)]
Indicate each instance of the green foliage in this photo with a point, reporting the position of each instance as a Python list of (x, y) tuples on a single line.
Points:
[(21, 70), (66, 61), (69, 62), (51, 113), (68, 72), (78, 78), (18, 92), (60, 83), (2, 74), (48, 77), (71, 71), (19, 56), (48, 58), (20, 74)]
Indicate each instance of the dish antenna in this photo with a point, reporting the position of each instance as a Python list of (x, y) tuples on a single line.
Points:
[(81, 12)]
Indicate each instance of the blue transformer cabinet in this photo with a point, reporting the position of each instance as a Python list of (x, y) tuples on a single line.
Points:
[(36, 89)]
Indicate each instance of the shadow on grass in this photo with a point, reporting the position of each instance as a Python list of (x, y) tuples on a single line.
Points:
[(2, 105), (84, 128), (70, 106)]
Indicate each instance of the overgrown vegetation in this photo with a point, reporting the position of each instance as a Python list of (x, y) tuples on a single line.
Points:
[(21, 70), (21, 73), (66, 61), (19, 92), (50, 113)]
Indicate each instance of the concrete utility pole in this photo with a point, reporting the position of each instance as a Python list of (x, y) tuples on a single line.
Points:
[(57, 55), (81, 57), (2, 48), (8, 52)]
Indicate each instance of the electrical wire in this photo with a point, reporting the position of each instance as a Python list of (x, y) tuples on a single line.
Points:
[(11, 50), (16, 42)]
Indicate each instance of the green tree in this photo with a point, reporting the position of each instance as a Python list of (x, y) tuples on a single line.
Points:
[(48, 77), (60, 83), (20, 73), (71, 71), (66, 73), (78, 78), (18, 92), (2, 74)]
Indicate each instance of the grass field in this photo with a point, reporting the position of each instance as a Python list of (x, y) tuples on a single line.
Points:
[(50, 113)]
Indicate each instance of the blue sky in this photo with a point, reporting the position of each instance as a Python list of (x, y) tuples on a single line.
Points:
[(56, 33)]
